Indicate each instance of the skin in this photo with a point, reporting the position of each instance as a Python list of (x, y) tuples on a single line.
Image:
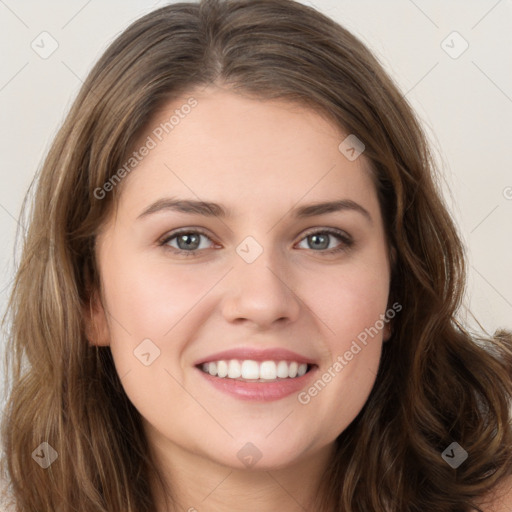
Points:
[(260, 159), (499, 499)]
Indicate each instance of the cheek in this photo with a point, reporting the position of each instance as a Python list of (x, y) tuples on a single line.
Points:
[(155, 302), (351, 302), (148, 298), (347, 300)]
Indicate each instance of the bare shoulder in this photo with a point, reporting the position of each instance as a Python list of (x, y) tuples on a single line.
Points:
[(499, 499)]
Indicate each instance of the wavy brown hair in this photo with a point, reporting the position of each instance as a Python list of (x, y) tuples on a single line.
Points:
[(437, 382)]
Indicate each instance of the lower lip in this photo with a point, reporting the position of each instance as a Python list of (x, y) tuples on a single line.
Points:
[(260, 391)]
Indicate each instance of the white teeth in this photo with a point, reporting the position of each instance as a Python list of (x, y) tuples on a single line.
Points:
[(268, 370), (222, 368), (234, 369), (250, 370), (282, 369), (254, 370)]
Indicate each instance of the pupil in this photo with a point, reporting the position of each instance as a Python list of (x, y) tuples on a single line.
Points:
[(188, 240), (315, 238)]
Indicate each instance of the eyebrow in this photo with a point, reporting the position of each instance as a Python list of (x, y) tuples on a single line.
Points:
[(211, 209)]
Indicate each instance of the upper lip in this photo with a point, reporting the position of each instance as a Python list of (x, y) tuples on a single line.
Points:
[(256, 354)]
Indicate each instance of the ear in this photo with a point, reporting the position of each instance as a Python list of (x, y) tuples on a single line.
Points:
[(96, 325), (388, 327), (393, 258), (386, 332)]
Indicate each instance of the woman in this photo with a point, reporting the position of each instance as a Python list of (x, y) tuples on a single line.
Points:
[(239, 287)]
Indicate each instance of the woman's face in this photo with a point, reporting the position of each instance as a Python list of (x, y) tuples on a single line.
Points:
[(262, 272)]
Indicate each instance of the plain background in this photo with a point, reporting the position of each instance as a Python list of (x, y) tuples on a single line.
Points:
[(465, 104)]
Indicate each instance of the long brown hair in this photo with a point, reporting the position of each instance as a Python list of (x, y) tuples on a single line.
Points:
[(437, 383)]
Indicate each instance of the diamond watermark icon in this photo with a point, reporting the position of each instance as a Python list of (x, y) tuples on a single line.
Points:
[(44, 45), (454, 45), (45, 455), (351, 147), (249, 249), (454, 455), (249, 454), (146, 352)]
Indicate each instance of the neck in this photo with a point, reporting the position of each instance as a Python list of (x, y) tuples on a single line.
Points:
[(198, 484)]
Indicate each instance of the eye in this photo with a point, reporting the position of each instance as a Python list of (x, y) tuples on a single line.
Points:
[(321, 239), (188, 241)]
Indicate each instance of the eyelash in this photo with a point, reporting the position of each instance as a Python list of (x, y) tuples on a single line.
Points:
[(346, 241)]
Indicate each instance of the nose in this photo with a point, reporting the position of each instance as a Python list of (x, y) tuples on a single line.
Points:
[(261, 293)]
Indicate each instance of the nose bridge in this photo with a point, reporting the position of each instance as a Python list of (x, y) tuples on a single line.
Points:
[(259, 290)]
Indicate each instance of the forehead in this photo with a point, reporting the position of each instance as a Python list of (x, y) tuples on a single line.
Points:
[(248, 153)]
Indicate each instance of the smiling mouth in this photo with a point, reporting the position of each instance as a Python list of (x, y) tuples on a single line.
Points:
[(255, 371)]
